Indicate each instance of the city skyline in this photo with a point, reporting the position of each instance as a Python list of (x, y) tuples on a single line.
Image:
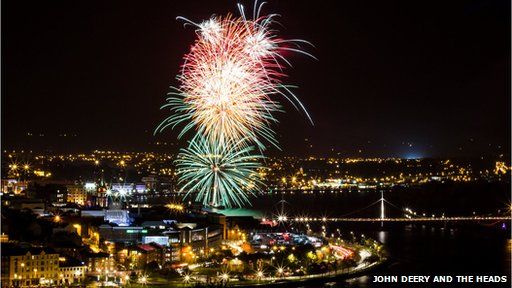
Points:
[(256, 142)]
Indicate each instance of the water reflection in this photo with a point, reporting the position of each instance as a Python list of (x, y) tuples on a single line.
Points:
[(434, 250), (381, 236)]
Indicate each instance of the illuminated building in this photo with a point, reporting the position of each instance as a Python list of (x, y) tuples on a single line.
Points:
[(98, 262), (4, 238), (13, 186), (97, 195), (118, 217), (159, 225), (90, 187), (188, 235), (71, 271), (76, 194), (23, 267), (92, 213), (150, 182), (122, 188), (60, 196), (122, 234), (143, 254), (160, 240), (67, 207)]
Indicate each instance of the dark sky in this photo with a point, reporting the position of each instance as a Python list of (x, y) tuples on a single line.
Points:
[(394, 78)]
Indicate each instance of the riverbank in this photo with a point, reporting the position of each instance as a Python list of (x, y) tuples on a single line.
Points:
[(315, 278), (290, 281)]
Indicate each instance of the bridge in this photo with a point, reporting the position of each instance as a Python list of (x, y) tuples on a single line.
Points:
[(410, 216), (405, 219)]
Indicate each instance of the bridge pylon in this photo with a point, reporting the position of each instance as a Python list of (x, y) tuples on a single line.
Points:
[(382, 211)]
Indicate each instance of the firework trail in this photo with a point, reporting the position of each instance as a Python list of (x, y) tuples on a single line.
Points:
[(229, 78)]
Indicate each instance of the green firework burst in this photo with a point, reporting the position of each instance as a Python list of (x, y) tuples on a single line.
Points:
[(219, 174)]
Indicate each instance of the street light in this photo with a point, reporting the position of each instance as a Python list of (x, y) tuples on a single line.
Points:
[(279, 272), (143, 280), (225, 277), (187, 278)]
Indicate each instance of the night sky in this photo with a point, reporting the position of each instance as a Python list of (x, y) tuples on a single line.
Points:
[(393, 78)]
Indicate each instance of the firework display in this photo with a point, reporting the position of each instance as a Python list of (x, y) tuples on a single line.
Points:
[(228, 91), (219, 174)]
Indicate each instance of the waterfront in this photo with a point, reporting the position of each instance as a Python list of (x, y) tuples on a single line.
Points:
[(436, 250), (413, 248), (430, 250), (417, 248)]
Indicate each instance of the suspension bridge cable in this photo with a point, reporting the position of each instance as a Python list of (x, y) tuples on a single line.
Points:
[(355, 211)]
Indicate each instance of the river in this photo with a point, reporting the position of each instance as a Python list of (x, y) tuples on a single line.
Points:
[(414, 248)]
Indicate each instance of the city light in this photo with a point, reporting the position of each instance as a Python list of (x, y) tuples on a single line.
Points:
[(225, 276), (175, 207), (143, 280), (186, 279)]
